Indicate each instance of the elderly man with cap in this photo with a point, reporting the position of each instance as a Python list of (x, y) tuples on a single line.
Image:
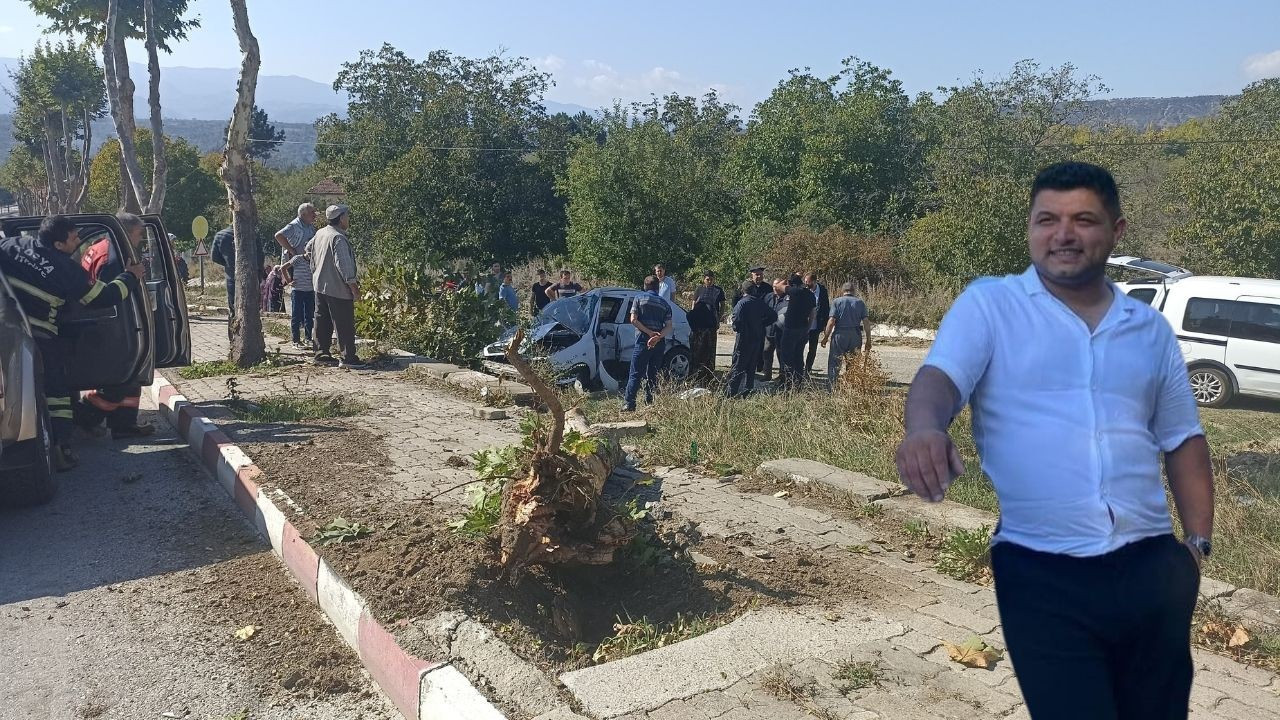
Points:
[(847, 328), (333, 273), (293, 240)]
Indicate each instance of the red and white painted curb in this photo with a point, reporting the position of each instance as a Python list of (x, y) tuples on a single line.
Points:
[(420, 689)]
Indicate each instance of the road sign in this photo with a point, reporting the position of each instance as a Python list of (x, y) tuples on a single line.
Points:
[(200, 229), (201, 250)]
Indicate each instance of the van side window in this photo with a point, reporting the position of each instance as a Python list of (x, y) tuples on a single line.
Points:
[(1258, 321), (1145, 295), (1212, 317)]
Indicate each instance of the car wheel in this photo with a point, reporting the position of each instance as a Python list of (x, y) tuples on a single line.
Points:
[(27, 477), (1211, 386), (678, 363)]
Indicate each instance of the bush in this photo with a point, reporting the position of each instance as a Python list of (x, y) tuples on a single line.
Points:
[(836, 255), (410, 309)]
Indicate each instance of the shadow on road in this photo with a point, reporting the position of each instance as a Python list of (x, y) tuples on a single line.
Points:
[(130, 510)]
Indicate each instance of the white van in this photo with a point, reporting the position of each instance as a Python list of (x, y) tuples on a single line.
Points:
[(1229, 330)]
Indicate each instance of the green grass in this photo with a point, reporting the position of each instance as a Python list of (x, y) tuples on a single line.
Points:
[(861, 432), (211, 368), (277, 328), (966, 555), (856, 674), (295, 408), (637, 636)]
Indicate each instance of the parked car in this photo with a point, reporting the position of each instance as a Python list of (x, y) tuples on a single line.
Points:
[(589, 338), (1127, 267), (118, 345), (1228, 328)]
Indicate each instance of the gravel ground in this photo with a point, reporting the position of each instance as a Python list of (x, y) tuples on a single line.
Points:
[(120, 599)]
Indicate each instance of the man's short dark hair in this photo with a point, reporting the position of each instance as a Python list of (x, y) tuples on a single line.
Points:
[(651, 282), (795, 280), (747, 287), (55, 229), (709, 273), (1075, 175)]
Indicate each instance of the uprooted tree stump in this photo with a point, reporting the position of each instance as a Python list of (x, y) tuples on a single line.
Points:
[(553, 515)]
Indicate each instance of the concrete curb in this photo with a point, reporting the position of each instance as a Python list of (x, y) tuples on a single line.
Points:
[(420, 689)]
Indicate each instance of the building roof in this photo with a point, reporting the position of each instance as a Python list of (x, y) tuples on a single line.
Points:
[(327, 187)]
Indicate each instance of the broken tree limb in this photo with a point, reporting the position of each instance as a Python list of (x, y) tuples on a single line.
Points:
[(552, 514)]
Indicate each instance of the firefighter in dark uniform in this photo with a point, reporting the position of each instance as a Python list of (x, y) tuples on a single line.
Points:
[(45, 278), (750, 318), (118, 404)]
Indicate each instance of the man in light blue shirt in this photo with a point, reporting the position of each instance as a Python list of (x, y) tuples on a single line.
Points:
[(1077, 390)]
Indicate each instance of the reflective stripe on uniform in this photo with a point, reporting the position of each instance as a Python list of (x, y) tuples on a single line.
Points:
[(53, 300), (124, 288), (59, 407), (43, 325), (95, 291)]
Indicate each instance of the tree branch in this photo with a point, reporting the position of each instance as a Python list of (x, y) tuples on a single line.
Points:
[(160, 164), (546, 394)]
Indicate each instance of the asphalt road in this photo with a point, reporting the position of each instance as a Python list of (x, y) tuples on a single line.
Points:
[(900, 362), (114, 601)]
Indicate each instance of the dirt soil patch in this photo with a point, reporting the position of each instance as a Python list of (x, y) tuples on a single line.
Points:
[(292, 651), (413, 565)]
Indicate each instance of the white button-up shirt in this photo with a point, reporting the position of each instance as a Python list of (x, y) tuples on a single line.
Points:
[(667, 288), (1069, 424)]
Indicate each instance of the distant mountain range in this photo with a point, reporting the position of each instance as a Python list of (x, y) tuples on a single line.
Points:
[(204, 97)]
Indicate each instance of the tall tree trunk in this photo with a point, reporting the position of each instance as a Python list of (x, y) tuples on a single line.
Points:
[(247, 344), (120, 98), (53, 166), (160, 165), (81, 188)]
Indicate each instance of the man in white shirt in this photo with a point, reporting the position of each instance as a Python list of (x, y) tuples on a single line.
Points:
[(666, 284), (1076, 391)]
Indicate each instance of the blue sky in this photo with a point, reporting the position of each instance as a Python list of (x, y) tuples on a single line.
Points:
[(603, 50)]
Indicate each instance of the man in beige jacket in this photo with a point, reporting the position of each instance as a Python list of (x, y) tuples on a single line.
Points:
[(333, 273)]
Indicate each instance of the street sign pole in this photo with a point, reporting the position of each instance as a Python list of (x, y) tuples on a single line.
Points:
[(200, 229)]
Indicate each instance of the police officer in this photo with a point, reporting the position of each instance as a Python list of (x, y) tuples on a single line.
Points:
[(45, 278), (777, 300), (651, 317), (118, 403), (750, 318)]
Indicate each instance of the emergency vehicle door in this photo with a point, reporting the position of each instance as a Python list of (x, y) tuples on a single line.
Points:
[(107, 346), (168, 297)]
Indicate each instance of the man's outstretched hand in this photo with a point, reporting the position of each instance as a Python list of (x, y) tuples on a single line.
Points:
[(928, 462)]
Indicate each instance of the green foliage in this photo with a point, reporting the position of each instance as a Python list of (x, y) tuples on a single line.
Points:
[(653, 191), (856, 674), (88, 18), (986, 141), (485, 501), (966, 555), (209, 368), (58, 83), (409, 308), (421, 196), (191, 187), (23, 174), (1232, 189), (837, 149), (340, 531)]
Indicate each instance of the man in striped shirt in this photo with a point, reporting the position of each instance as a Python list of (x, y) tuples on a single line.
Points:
[(45, 279)]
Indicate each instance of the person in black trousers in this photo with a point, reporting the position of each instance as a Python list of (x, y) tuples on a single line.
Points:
[(751, 316), (801, 309), (823, 299), (777, 301)]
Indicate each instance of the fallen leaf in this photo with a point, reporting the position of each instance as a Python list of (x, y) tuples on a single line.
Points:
[(246, 632), (974, 653), (1239, 638), (645, 481), (781, 494)]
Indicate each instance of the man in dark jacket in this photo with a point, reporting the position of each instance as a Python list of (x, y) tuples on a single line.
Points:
[(46, 279), (704, 324), (823, 298), (751, 316), (802, 308), (223, 253), (777, 301)]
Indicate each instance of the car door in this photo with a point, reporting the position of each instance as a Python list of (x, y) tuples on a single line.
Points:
[(611, 318), (168, 297), (108, 346), (1253, 350)]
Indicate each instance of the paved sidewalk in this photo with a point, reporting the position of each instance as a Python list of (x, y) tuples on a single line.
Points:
[(723, 674)]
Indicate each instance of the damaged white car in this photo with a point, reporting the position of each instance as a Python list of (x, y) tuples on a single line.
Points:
[(589, 339)]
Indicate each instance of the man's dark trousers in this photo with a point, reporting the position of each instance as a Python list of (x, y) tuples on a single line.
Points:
[(742, 374), (336, 314), (117, 403), (1104, 638), (811, 341), (645, 363), (772, 347), (791, 355), (57, 392), (304, 314), (231, 292)]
